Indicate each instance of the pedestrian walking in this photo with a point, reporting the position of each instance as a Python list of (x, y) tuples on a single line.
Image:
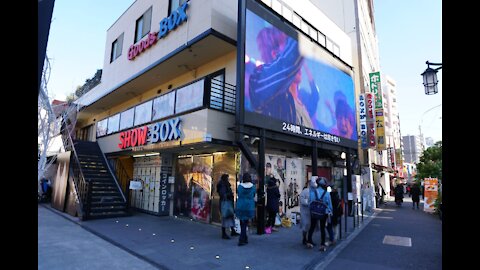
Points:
[(415, 192), (273, 197), (225, 192), (319, 194), (245, 209), (337, 212), (305, 212)]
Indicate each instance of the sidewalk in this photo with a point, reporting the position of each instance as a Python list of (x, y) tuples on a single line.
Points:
[(177, 243)]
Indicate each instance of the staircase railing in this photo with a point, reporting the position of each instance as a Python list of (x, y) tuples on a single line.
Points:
[(123, 176), (113, 175), (82, 186)]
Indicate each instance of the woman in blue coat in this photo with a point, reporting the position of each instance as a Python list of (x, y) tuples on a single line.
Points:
[(245, 209)]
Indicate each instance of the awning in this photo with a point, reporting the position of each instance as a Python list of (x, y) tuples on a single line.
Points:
[(381, 168)]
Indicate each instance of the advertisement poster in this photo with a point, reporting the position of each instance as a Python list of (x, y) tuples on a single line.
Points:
[(292, 80), (201, 187), (431, 194), (294, 182), (276, 165)]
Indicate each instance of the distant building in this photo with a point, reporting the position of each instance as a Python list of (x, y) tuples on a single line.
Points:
[(412, 148), (429, 141)]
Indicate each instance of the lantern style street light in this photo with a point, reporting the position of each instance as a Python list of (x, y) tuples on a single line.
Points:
[(430, 80)]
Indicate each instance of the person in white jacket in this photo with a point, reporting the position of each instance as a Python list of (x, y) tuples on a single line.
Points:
[(305, 211)]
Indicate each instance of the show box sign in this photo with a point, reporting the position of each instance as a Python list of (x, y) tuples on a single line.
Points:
[(159, 132), (166, 25)]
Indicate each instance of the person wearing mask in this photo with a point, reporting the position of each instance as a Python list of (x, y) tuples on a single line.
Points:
[(245, 209), (226, 206), (319, 192), (273, 197)]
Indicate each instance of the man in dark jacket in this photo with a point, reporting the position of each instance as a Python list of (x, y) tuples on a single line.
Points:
[(415, 192), (273, 197)]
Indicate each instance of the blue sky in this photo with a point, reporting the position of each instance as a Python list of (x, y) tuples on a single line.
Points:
[(409, 33)]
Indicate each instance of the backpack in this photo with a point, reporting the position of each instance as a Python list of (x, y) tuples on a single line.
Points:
[(318, 208)]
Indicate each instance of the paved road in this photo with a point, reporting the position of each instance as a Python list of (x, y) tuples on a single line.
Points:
[(143, 241), (368, 250), (65, 245)]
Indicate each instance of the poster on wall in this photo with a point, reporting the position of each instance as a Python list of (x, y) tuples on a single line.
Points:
[(430, 194), (275, 165), (294, 182), (201, 187)]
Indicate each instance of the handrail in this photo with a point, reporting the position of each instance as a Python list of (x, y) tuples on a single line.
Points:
[(80, 184), (113, 175)]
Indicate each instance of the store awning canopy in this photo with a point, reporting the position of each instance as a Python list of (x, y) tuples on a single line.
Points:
[(381, 168)]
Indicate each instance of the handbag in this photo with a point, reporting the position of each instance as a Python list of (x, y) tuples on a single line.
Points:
[(318, 208), (227, 209)]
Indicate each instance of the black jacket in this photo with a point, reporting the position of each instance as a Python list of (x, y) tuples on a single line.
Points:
[(224, 190), (273, 197)]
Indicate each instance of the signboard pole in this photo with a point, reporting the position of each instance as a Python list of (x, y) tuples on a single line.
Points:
[(261, 184)]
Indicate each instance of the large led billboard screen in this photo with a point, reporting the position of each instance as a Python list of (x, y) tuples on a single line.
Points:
[(292, 84)]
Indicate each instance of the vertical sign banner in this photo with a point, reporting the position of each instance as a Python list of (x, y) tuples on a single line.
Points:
[(294, 182), (375, 89), (363, 121), (164, 200), (430, 194), (369, 98), (380, 129)]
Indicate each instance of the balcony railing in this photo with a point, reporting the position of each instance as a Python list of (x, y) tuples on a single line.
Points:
[(222, 96)]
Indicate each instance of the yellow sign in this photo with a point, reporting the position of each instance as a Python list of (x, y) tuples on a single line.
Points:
[(380, 130), (430, 194)]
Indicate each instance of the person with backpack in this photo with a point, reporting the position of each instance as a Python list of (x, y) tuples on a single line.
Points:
[(320, 209)]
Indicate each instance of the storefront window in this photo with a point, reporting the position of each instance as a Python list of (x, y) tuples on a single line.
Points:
[(190, 97), (126, 119), (143, 113), (113, 123), (102, 127), (163, 106)]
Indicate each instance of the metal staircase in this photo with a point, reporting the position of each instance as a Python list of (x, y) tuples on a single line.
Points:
[(104, 198)]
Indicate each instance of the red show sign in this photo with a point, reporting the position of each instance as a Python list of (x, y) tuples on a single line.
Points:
[(133, 137)]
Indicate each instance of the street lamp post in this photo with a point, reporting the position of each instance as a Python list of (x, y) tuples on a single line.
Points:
[(430, 80)]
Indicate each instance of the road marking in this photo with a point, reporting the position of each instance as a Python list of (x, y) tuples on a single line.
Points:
[(397, 240)]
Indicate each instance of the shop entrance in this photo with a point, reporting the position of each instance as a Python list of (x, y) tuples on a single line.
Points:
[(147, 170)]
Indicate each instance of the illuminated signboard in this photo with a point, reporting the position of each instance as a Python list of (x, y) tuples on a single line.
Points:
[(158, 132), (293, 85), (166, 25)]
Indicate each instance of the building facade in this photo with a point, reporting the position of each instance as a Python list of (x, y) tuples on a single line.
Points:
[(412, 148), (173, 110)]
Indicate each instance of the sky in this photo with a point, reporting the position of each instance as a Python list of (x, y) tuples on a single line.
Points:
[(409, 33)]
